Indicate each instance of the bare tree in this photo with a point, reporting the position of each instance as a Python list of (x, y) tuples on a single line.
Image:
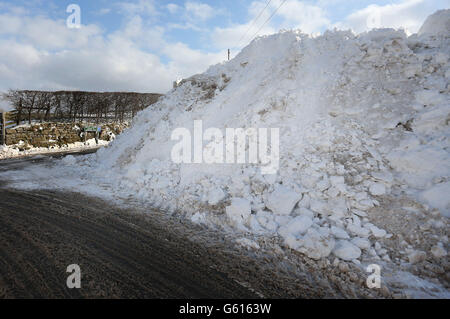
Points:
[(15, 98), (77, 105)]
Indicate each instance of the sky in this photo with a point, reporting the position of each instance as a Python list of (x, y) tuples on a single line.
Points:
[(145, 45)]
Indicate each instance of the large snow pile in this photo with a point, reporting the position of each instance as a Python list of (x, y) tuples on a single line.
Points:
[(361, 117), (436, 24)]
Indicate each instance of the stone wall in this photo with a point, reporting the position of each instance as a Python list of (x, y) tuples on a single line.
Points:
[(50, 134)]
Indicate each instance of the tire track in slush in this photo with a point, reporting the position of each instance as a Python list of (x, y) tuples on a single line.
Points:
[(128, 257), (43, 232)]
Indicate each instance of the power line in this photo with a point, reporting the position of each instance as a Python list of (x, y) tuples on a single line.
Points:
[(271, 16), (253, 22), (268, 20)]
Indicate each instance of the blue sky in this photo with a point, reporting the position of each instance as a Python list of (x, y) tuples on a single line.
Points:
[(143, 45)]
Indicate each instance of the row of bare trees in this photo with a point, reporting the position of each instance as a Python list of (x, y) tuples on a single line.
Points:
[(76, 105)]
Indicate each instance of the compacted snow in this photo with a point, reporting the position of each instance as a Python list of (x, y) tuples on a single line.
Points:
[(363, 139)]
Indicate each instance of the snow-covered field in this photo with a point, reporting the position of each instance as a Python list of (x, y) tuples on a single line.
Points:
[(364, 173)]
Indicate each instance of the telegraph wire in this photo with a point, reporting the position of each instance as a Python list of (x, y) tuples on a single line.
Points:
[(253, 22), (271, 16)]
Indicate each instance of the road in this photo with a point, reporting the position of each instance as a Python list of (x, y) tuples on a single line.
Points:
[(137, 253), (121, 253)]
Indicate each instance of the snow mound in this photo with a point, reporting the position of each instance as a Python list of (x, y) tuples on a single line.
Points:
[(437, 24), (359, 117)]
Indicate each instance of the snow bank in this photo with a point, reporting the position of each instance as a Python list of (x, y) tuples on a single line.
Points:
[(359, 115)]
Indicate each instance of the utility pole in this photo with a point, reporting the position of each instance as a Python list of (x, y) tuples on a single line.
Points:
[(3, 125), (228, 54)]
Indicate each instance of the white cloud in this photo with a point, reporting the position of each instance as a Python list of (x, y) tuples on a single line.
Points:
[(407, 14), (46, 33), (9, 24), (41, 53), (37, 52), (293, 14), (299, 15), (140, 7), (229, 37), (172, 7), (199, 11), (186, 61), (316, 16), (110, 65), (8, 7), (193, 15)]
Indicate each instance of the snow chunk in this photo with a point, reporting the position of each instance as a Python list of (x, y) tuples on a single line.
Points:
[(429, 97), (239, 210), (438, 197), (215, 196), (337, 180), (377, 189), (198, 218), (255, 226), (248, 243), (358, 230), (265, 219), (438, 251), (359, 213), (417, 256), (282, 200), (305, 212), (377, 232), (315, 245), (362, 243), (419, 164), (318, 206), (346, 250), (339, 232), (297, 226)]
